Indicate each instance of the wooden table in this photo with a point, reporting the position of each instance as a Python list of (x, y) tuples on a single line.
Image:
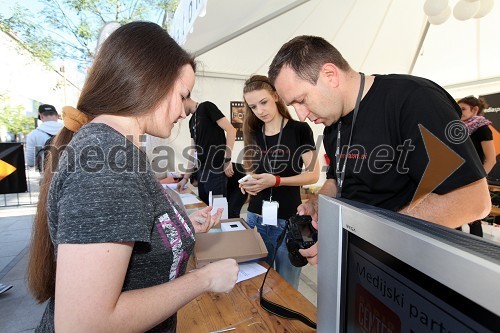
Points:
[(241, 309)]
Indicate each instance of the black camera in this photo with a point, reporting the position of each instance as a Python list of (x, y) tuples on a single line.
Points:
[(301, 235)]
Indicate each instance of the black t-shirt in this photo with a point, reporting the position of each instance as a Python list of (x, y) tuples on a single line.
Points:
[(208, 136), (297, 138), (483, 133), (388, 157)]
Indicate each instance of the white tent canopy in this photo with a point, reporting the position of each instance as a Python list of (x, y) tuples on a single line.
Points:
[(375, 36), (359, 29)]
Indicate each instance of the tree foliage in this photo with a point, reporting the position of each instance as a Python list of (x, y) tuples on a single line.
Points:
[(69, 29), (14, 117)]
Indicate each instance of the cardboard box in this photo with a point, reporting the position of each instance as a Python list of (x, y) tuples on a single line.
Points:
[(241, 245)]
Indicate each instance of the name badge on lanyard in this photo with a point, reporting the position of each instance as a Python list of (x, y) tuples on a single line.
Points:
[(270, 212)]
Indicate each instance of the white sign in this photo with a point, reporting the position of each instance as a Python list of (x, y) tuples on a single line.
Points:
[(184, 17)]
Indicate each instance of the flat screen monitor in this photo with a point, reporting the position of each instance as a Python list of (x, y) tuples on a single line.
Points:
[(385, 272)]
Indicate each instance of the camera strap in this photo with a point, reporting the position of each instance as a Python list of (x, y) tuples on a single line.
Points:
[(275, 308)]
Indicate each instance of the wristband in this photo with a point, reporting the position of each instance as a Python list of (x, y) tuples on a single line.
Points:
[(278, 181), (227, 159)]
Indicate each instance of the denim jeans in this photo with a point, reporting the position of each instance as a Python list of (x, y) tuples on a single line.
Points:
[(270, 234), (235, 199), (215, 181)]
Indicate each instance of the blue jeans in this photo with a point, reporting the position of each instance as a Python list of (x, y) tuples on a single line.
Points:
[(215, 181), (235, 199), (270, 234)]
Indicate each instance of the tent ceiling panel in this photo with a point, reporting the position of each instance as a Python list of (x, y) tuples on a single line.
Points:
[(225, 17), (381, 36), (396, 42), (461, 51), (362, 31), (246, 54)]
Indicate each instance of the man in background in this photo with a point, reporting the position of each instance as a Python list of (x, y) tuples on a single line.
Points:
[(46, 130), (213, 136)]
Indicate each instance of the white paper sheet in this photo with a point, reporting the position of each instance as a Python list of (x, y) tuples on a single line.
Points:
[(250, 270), (189, 199), (173, 186)]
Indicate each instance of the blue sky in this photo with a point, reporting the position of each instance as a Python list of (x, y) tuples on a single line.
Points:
[(34, 6), (6, 6)]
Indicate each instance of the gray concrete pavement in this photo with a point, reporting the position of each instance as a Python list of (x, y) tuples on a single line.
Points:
[(19, 312)]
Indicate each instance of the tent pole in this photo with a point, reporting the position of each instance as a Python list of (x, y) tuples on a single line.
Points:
[(475, 83), (420, 44)]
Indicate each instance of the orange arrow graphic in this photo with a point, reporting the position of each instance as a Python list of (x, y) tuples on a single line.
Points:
[(442, 163), (6, 169)]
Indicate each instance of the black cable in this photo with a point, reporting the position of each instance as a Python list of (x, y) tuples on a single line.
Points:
[(275, 308)]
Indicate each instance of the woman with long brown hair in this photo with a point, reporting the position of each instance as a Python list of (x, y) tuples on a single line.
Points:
[(479, 131), (110, 248), (276, 150), (482, 138)]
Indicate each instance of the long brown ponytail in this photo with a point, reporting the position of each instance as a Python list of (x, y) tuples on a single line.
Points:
[(41, 271)]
